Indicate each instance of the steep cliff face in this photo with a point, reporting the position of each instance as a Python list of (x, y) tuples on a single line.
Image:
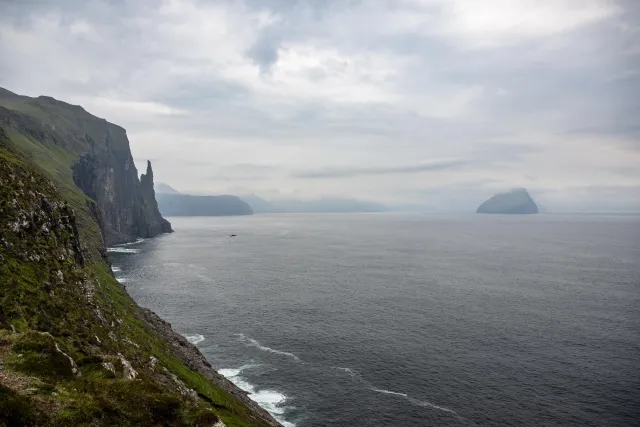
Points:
[(69, 140)]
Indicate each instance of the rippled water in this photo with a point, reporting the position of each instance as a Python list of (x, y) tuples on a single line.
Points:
[(408, 320)]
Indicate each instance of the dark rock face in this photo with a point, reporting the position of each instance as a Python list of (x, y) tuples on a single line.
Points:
[(127, 204), (513, 202), (103, 167), (155, 223)]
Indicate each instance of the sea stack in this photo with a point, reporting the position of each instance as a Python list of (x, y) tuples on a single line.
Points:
[(517, 201)]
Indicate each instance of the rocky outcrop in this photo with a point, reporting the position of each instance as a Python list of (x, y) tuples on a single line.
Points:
[(98, 155), (516, 201), (152, 219)]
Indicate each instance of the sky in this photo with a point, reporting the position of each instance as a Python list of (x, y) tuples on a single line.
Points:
[(432, 103)]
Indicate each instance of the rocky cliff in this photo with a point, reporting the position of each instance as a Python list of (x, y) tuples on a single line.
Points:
[(75, 349), (66, 139), (516, 201)]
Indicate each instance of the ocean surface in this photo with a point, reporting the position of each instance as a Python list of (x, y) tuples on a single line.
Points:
[(408, 320)]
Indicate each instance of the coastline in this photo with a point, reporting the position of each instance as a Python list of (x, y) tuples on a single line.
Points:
[(193, 359)]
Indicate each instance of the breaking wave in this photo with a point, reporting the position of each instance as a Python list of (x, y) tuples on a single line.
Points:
[(121, 250), (270, 400), (195, 339), (139, 240)]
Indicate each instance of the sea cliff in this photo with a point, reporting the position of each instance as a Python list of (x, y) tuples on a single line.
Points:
[(75, 349)]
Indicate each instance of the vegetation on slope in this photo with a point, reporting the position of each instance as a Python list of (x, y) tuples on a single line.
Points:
[(73, 347)]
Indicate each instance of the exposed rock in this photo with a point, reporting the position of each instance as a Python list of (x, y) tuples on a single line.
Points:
[(128, 341), (152, 362), (128, 373), (109, 367), (182, 388), (74, 367)]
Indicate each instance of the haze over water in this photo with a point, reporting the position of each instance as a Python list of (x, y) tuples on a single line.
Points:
[(408, 320)]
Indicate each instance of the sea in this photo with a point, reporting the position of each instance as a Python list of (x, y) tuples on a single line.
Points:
[(407, 320)]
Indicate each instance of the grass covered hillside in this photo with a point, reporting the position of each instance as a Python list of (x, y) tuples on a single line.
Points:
[(74, 348)]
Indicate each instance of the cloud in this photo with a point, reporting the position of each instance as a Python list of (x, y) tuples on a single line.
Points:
[(435, 165), (345, 98)]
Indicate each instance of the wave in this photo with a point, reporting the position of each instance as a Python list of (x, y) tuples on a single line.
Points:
[(115, 269), (412, 400), (347, 370), (195, 339), (135, 242), (121, 250), (270, 400), (122, 279), (235, 372), (417, 402), (256, 344), (395, 393)]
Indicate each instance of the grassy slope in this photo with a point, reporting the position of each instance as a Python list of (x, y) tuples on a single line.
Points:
[(87, 314)]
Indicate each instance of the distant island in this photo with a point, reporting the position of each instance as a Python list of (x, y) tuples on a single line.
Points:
[(516, 201), (188, 205), (162, 188), (320, 205)]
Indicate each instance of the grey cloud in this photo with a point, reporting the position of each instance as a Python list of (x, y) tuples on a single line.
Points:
[(435, 165), (264, 51)]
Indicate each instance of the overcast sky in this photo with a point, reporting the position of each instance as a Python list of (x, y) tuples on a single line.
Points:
[(432, 102)]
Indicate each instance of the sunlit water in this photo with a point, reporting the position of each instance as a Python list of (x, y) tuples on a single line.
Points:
[(408, 320)]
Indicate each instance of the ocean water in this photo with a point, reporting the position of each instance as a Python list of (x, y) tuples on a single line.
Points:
[(408, 320)]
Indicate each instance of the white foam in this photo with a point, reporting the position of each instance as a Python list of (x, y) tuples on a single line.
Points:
[(256, 344), (270, 400), (121, 250), (115, 269), (135, 242), (194, 339), (122, 279)]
